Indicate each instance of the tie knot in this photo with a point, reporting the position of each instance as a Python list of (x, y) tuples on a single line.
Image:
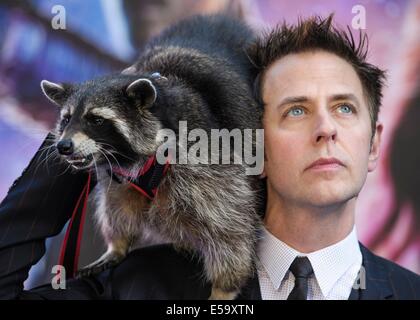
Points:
[(301, 267)]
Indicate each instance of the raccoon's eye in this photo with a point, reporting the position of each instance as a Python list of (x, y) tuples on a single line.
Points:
[(95, 121), (65, 121)]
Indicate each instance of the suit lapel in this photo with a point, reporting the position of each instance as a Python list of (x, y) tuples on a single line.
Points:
[(378, 286)]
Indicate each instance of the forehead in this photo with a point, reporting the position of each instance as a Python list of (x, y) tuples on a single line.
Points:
[(87, 99), (312, 74)]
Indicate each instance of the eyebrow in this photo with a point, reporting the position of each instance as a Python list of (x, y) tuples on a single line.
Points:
[(290, 100), (104, 112), (335, 97), (345, 96)]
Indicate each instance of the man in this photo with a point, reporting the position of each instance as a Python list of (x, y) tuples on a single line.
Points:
[(322, 136), (321, 101)]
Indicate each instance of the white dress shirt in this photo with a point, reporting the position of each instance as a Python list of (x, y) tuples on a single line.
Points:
[(335, 268)]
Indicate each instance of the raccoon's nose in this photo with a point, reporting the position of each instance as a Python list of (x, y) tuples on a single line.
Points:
[(65, 147)]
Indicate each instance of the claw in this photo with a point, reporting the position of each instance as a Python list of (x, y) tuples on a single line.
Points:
[(107, 261)]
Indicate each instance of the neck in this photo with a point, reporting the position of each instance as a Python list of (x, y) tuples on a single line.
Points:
[(309, 228)]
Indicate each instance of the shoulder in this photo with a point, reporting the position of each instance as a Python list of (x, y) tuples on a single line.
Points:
[(390, 267), (404, 283), (159, 272)]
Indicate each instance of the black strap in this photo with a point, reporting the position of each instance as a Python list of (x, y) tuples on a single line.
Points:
[(147, 181)]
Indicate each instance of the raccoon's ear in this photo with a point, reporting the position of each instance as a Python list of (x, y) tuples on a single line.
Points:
[(129, 70), (56, 93), (142, 90)]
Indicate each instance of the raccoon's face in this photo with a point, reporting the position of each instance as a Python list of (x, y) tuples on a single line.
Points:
[(107, 121)]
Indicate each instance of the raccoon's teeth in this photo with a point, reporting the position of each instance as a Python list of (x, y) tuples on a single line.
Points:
[(78, 160)]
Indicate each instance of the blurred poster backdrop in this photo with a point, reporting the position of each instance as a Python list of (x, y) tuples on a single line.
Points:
[(103, 36)]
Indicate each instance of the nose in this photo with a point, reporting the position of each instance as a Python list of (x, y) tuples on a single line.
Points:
[(326, 129), (65, 147)]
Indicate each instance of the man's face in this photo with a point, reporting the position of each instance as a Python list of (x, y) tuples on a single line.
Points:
[(315, 108)]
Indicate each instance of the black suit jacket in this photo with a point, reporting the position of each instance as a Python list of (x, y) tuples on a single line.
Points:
[(39, 204), (162, 273)]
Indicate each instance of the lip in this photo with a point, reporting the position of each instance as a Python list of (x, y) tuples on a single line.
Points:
[(325, 164)]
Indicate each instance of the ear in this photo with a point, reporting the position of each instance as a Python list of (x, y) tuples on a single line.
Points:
[(129, 70), (375, 148), (143, 91), (56, 93)]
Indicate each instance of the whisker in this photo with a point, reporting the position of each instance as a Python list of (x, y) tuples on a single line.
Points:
[(116, 151), (41, 159), (68, 167), (110, 167), (48, 156), (109, 153), (96, 167)]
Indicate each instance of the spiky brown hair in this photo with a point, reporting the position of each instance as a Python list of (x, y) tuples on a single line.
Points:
[(317, 33)]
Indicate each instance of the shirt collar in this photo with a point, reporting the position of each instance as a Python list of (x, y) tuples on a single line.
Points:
[(329, 264)]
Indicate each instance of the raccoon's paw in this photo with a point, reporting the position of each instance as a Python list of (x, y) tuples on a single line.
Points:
[(105, 262), (219, 294)]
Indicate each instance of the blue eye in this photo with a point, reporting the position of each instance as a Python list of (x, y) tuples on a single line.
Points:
[(295, 112), (344, 108)]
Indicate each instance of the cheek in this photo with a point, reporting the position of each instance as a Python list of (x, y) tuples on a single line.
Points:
[(357, 147), (283, 149)]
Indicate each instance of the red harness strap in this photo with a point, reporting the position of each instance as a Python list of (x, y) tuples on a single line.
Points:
[(146, 182), (70, 248), (147, 179)]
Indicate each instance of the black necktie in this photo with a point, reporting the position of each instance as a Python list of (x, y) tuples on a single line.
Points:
[(302, 270)]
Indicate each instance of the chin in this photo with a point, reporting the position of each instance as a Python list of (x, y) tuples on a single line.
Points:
[(327, 198)]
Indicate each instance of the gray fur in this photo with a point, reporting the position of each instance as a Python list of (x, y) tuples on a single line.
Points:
[(210, 210)]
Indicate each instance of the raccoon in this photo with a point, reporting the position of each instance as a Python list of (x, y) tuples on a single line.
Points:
[(195, 71)]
